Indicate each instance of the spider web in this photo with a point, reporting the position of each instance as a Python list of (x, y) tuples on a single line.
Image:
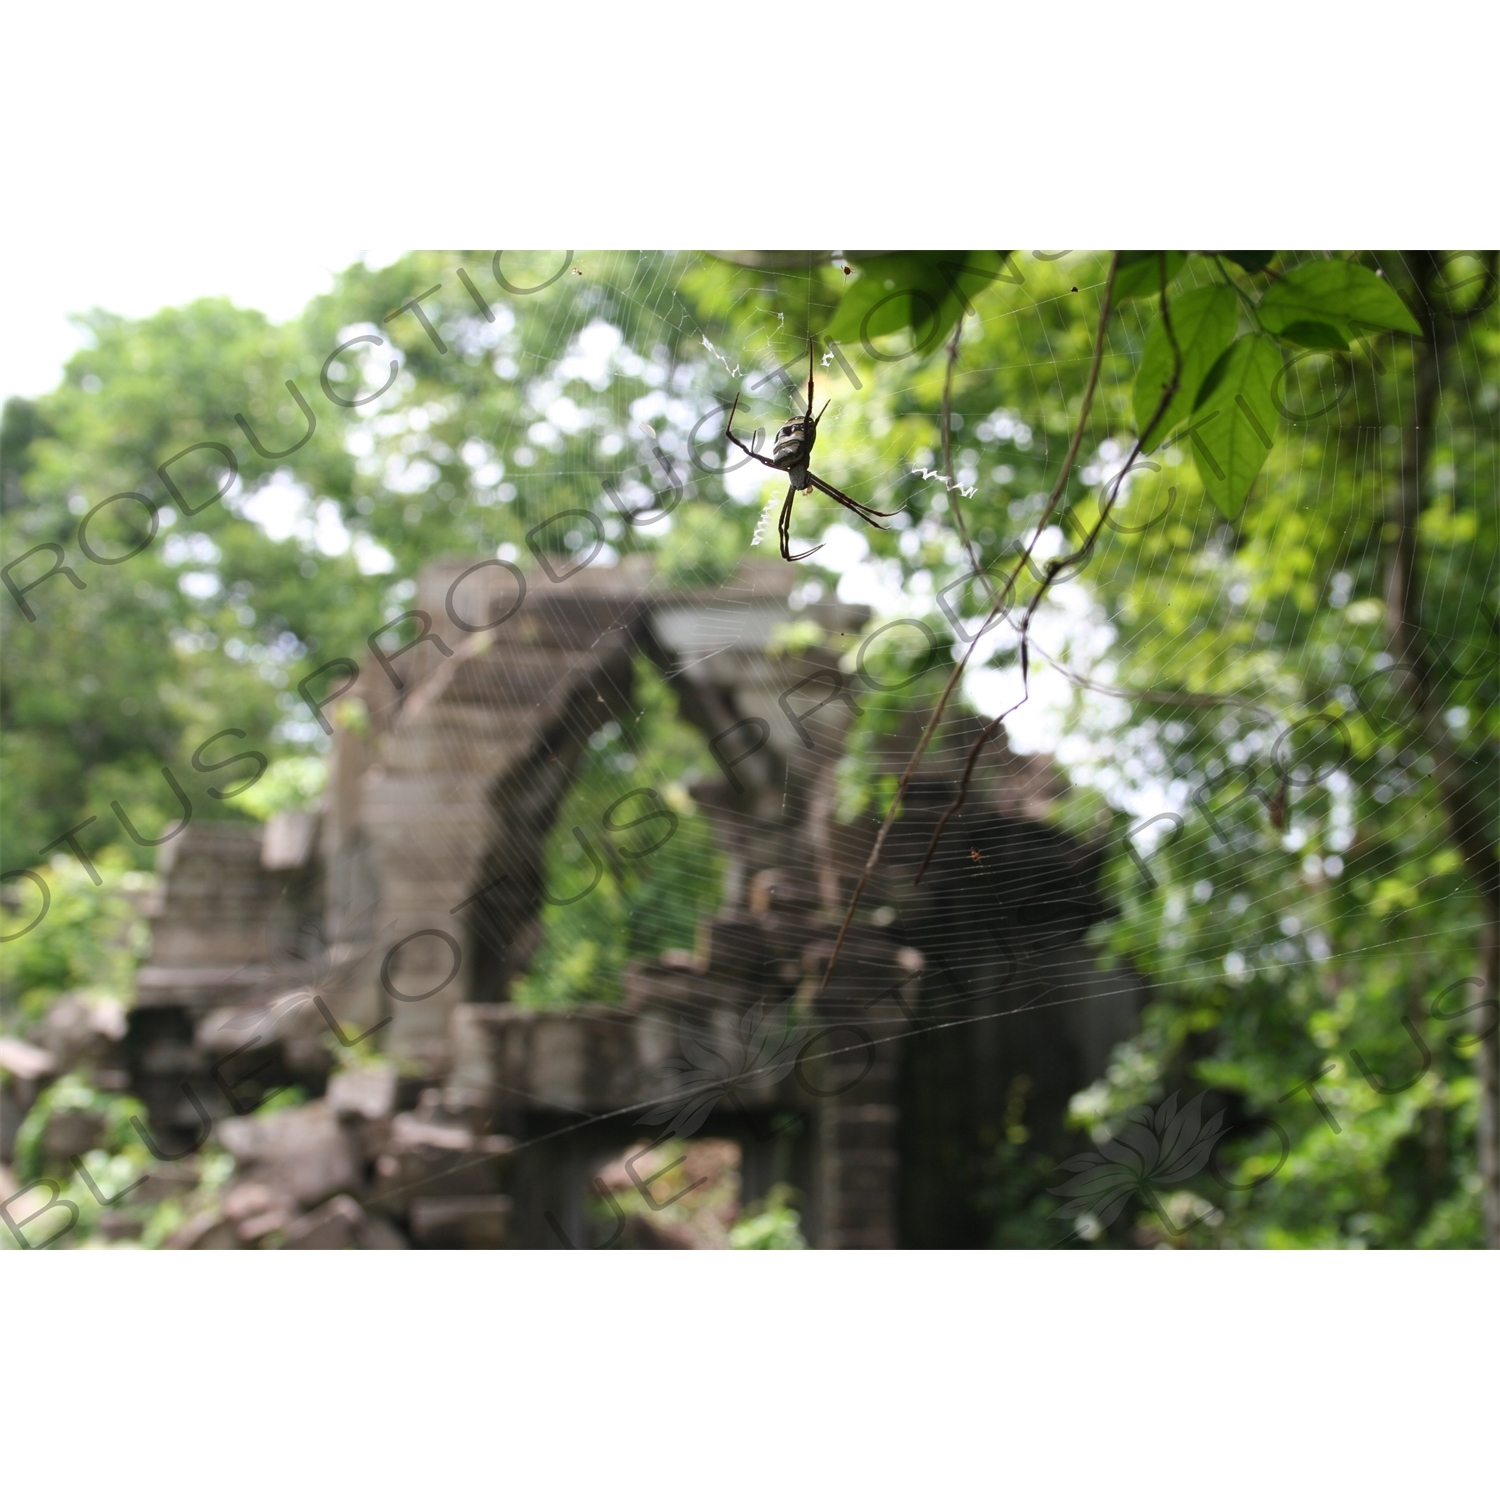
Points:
[(1084, 702)]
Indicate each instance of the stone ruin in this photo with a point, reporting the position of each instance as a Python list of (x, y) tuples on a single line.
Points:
[(387, 931)]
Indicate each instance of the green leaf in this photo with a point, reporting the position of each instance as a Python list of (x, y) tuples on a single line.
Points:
[(1204, 322), (1337, 294), (1140, 273), (923, 290), (882, 300), (1234, 421), (1315, 335), (1250, 260)]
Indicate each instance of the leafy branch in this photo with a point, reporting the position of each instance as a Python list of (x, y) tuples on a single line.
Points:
[(954, 677), (1319, 306)]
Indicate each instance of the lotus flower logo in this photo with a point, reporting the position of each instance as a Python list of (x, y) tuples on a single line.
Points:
[(762, 1051), (1153, 1149)]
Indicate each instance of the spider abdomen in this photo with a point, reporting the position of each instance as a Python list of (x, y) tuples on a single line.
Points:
[(793, 446)]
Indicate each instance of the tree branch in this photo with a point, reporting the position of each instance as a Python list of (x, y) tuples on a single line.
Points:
[(948, 481), (953, 679), (1055, 566), (1416, 681)]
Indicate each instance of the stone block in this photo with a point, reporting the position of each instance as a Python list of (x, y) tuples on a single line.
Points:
[(71, 1132), (363, 1100), (22, 1060), (341, 1224), (256, 1209), (287, 842), (428, 1157), (301, 1152), (476, 1222), (363, 1093), (81, 1028), (209, 1230)]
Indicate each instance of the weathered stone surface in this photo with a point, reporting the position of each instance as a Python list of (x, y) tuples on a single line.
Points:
[(114, 1226), (300, 1152), (71, 1132), (341, 1224), (736, 945), (427, 1158), (275, 1022), (22, 1060), (645, 1233), (363, 1093), (256, 1209), (81, 1028), (209, 1230), (363, 1100), (288, 840), (165, 1179), (214, 908), (466, 1223)]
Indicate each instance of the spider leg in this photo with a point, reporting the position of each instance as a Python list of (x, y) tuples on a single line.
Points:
[(864, 512), (811, 349), (784, 529), (729, 433)]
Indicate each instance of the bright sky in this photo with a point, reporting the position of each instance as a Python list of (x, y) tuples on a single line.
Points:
[(40, 288)]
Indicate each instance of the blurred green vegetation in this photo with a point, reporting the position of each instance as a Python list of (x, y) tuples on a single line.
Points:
[(771, 1223), (91, 939)]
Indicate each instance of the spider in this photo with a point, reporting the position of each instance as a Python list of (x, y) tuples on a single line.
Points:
[(791, 452)]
